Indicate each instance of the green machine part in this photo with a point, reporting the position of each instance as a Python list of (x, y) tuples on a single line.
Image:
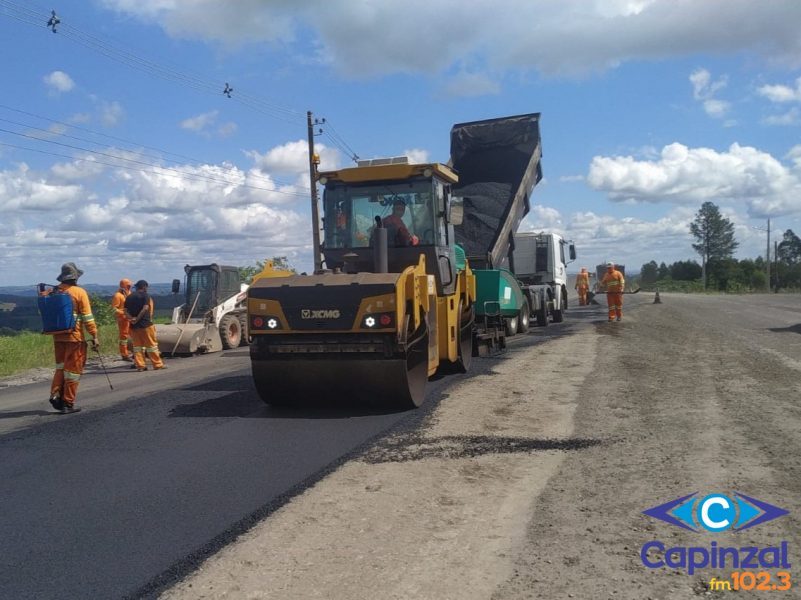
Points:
[(497, 287)]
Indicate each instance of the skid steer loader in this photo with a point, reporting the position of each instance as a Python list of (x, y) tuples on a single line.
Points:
[(212, 317)]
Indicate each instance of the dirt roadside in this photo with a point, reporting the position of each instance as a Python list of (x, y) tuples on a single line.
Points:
[(530, 482)]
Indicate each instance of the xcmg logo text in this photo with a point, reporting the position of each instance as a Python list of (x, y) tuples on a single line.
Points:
[(715, 513), (319, 314)]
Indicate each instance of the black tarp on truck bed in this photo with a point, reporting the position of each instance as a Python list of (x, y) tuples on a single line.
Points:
[(498, 163)]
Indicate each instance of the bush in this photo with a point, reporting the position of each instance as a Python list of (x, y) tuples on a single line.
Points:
[(102, 310)]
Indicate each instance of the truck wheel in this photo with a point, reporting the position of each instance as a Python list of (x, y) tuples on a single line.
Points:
[(542, 313), (559, 315), (243, 325), (510, 326), (230, 332), (522, 320)]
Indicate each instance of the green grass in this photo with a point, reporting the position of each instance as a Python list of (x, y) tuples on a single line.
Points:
[(30, 350)]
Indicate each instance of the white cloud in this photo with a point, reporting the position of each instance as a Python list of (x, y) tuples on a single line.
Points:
[(111, 113), (543, 218), (252, 21), (416, 155), (227, 129), (471, 84), (685, 175), (84, 168), (791, 117), (627, 240), (292, 158), (199, 123), (781, 93), (206, 213), (24, 191), (59, 81), (716, 108), (517, 34), (704, 90)]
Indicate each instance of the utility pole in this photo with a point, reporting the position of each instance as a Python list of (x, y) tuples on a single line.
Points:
[(313, 161), (776, 263), (767, 256)]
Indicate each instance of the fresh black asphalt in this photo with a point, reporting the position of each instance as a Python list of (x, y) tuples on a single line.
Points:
[(117, 502)]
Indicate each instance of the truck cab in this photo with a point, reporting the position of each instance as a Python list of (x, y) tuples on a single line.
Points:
[(539, 260)]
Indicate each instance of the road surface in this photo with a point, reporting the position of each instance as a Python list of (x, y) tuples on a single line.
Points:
[(526, 479)]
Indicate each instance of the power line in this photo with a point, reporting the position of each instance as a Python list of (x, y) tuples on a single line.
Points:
[(133, 60), (155, 69), (119, 139), (157, 169)]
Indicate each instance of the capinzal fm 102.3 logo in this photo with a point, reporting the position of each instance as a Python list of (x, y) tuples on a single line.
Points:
[(715, 513)]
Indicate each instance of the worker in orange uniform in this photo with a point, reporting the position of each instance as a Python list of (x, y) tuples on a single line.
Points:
[(614, 283), (583, 286), (70, 347), (123, 324), (398, 234), (139, 310)]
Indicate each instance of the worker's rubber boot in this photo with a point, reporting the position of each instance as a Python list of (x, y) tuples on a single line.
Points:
[(56, 402)]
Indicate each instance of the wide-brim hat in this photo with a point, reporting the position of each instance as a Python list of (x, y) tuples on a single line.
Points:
[(69, 271)]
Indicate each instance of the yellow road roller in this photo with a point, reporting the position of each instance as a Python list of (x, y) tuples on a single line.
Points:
[(393, 305)]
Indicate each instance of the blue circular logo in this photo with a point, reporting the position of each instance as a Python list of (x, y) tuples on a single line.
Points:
[(716, 512)]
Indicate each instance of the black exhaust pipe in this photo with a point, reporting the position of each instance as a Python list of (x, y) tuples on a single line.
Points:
[(380, 260)]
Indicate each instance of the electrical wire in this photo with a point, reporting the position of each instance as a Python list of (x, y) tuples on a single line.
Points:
[(157, 169), (133, 60), (124, 141)]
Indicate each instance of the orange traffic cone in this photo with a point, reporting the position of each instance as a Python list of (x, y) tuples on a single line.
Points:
[(657, 299)]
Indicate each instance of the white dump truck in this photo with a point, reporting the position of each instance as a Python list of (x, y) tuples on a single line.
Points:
[(539, 261)]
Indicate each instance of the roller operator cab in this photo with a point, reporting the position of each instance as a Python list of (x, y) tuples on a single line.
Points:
[(393, 305)]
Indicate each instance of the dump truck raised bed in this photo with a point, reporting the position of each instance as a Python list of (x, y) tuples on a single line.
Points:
[(498, 163)]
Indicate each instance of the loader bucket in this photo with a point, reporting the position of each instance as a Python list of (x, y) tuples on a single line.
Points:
[(188, 338)]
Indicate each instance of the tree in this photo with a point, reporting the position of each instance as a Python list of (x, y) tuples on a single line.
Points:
[(790, 248), (664, 271), (685, 270), (715, 236), (648, 273)]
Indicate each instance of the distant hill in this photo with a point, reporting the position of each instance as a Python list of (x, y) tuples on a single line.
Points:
[(25, 314), (155, 289)]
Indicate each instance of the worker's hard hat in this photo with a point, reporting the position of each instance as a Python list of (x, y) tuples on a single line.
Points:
[(125, 283)]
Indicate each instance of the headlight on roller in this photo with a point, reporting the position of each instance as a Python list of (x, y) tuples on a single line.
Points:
[(262, 323), (378, 321)]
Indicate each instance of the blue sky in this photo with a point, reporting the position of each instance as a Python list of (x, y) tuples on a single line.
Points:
[(120, 152)]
